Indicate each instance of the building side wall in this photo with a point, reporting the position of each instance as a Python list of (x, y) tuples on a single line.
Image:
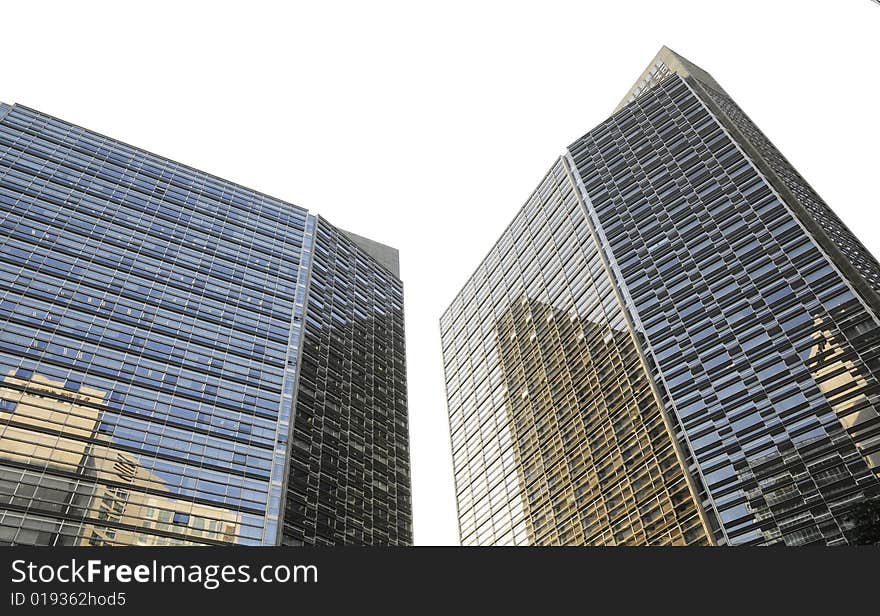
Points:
[(767, 357), (835, 238), (557, 437), (349, 477), (170, 292)]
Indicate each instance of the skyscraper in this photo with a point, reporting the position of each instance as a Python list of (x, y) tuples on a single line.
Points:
[(675, 341), (184, 360)]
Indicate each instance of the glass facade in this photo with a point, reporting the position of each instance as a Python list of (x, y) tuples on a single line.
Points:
[(750, 307), (349, 464), (152, 331), (557, 435)]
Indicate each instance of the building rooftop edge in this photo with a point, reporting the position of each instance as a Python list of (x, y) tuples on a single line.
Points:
[(260, 193), (387, 256), (675, 63)]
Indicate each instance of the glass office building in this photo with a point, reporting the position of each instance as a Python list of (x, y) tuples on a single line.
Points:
[(187, 361), (675, 341)]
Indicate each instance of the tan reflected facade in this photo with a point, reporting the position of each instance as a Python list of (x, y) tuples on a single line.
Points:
[(63, 475), (557, 435), (847, 391), (597, 463)]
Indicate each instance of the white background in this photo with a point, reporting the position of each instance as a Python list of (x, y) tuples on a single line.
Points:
[(426, 126)]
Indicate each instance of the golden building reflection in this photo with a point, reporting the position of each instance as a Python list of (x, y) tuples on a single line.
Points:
[(792, 482), (63, 482), (846, 390), (596, 463)]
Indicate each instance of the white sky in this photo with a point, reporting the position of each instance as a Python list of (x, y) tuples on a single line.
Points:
[(426, 127)]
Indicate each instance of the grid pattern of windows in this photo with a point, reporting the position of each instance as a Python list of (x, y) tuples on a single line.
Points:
[(557, 436), (349, 478), (656, 73), (167, 293), (762, 349), (151, 321), (742, 305), (828, 225)]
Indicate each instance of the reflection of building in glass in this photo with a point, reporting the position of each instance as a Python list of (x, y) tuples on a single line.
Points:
[(596, 463), (83, 476), (557, 434), (155, 321), (787, 488), (352, 483), (735, 323), (847, 391)]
